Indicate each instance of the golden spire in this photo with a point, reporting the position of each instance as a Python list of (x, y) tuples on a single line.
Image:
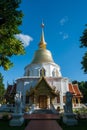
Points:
[(42, 43)]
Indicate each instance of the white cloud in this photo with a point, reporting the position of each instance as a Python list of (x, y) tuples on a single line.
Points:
[(25, 39), (63, 20), (64, 35)]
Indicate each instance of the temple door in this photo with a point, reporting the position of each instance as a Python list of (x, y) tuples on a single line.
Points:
[(43, 101)]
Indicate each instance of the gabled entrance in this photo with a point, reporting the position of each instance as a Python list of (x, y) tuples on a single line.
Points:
[(42, 95)]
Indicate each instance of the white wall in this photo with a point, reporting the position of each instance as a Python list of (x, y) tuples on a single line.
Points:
[(34, 69)]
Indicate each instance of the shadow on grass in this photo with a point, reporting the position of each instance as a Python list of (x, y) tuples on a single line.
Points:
[(4, 125), (82, 125)]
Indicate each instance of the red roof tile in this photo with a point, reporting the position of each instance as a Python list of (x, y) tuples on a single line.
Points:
[(71, 89), (77, 91)]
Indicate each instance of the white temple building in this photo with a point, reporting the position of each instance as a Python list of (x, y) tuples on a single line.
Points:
[(43, 83)]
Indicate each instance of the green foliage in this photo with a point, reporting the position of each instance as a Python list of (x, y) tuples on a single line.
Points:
[(83, 40), (82, 125), (10, 19), (58, 109), (84, 62), (83, 88), (2, 89), (26, 109), (81, 110), (4, 125), (5, 117)]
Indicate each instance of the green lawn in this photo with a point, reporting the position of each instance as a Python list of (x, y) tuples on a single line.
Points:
[(82, 125), (4, 125)]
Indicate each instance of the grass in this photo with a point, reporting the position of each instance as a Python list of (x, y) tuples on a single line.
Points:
[(4, 125), (82, 125)]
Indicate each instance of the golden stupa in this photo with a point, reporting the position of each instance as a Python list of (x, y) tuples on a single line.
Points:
[(42, 55)]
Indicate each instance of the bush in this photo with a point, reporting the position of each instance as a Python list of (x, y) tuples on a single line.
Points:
[(26, 109), (5, 117), (58, 109)]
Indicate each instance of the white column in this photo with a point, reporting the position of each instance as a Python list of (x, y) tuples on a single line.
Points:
[(61, 94)]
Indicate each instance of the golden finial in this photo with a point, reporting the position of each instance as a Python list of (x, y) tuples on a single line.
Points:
[(42, 43)]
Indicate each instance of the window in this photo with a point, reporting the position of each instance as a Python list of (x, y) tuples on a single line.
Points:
[(27, 99), (58, 99), (28, 73), (42, 72), (55, 73)]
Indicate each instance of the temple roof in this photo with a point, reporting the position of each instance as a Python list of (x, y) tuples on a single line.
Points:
[(77, 91), (71, 89), (41, 83), (74, 89)]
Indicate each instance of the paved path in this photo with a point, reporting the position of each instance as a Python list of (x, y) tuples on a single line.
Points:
[(43, 125), (42, 120)]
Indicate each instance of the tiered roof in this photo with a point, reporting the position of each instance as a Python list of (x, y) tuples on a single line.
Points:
[(77, 91), (74, 89)]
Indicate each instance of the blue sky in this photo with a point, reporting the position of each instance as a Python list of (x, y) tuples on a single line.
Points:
[(64, 23)]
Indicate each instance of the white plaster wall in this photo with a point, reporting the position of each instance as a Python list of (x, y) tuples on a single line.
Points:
[(61, 94), (20, 86), (57, 84), (24, 84), (65, 87), (34, 69), (26, 87)]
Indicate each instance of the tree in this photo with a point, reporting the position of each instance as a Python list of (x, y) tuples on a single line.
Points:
[(83, 88), (10, 20), (2, 89), (83, 40)]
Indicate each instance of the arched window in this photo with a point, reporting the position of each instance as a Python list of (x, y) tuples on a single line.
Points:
[(42, 72), (27, 97), (55, 73), (58, 99), (28, 73)]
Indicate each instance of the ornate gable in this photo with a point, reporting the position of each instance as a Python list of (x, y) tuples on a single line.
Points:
[(43, 88)]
